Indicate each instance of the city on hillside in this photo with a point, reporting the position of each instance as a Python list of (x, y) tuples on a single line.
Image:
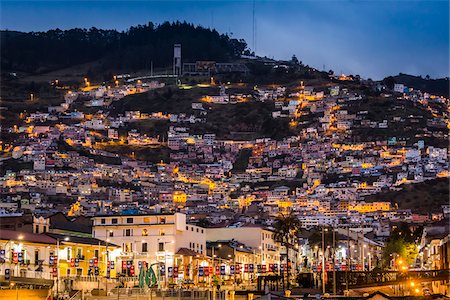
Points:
[(183, 165)]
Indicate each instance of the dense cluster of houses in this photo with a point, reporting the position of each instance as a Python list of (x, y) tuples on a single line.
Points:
[(215, 202)]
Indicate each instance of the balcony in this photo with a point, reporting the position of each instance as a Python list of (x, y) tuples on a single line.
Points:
[(30, 277)]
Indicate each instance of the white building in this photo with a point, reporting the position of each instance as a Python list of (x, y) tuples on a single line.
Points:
[(151, 238), (258, 238), (399, 87)]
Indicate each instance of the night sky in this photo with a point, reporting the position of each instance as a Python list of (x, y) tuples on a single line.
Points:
[(370, 38)]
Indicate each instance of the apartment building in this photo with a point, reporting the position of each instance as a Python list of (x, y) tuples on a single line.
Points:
[(161, 238)]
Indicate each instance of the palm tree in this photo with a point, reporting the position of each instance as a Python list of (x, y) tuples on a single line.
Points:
[(286, 228)]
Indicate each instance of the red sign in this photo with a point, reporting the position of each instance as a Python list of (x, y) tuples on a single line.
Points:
[(206, 271), (175, 272), (217, 270), (132, 270), (238, 269), (246, 268), (96, 262), (55, 272), (264, 268), (72, 262)]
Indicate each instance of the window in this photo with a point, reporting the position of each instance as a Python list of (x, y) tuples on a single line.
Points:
[(114, 221), (44, 230), (69, 253), (192, 228), (202, 230), (129, 220), (103, 221), (79, 272), (162, 232), (187, 227), (127, 232), (111, 233), (160, 246), (144, 232), (128, 247), (36, 257), (147, 220), (162, 220), (79, 252), (37, 229), (96, 253), (197, 229), (144, 247)]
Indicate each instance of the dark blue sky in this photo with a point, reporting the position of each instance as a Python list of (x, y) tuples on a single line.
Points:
[(370, 38)]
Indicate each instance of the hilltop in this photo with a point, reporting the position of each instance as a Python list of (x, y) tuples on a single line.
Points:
[(130, 50), (438, 86)]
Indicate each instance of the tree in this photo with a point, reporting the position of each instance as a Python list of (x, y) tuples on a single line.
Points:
[(389, 82), (286, 230), (205, 223), (399, 249), (294, 60)]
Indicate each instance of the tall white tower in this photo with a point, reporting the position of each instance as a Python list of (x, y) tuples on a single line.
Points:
[(177, 59)]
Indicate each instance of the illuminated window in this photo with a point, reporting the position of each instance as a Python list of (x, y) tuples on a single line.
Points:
[(144, 232), (147, 220), (162, 220), (162, 232)]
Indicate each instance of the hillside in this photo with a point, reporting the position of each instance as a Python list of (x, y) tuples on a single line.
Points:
[(131, 50), (425, 197), (433, 86), (244, 120)]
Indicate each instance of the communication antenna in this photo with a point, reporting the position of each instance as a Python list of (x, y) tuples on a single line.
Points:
[(254, 28)]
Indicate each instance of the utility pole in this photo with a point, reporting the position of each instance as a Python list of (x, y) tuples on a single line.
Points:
[(362, 250), (349, 260), (234, 263), (98, 258), (323, 260), (107, 264), (334, 261), (57, 271)]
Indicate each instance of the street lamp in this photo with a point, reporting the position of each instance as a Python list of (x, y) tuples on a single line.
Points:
[(323, 258), (213, 256), (57, 264)]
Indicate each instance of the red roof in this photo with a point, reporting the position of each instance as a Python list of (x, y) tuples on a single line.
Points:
[(188, 252), (26, 237)]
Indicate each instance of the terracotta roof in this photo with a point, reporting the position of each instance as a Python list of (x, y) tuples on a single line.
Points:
[(79, 240), (187, 252), (26, 237)]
